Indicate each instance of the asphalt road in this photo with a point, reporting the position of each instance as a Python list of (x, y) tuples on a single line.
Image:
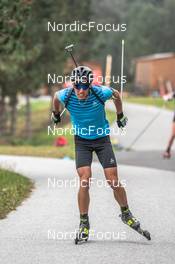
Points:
[(149, 159), (40, 230), (139, 116)]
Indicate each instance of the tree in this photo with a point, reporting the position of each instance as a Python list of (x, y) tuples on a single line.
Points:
[(12, 25), (150, 29), (29, 52)]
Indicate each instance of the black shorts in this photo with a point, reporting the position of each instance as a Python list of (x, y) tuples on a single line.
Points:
[(102, 146)]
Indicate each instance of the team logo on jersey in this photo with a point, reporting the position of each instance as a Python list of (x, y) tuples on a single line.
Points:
[(112, 161), (94, 103)]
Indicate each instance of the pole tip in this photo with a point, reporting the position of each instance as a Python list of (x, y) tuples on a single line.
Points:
[(123, 42), (70, 47)]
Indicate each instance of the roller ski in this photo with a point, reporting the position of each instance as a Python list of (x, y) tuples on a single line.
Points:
[(131, 221), (83, 233)]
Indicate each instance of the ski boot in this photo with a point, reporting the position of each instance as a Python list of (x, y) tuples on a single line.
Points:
[(83, 233), (131, 221)]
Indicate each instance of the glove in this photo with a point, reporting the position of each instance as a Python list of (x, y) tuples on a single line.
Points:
[(121, 120), (55, 117)]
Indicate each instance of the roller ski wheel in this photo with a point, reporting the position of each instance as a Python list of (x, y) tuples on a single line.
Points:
[(142, 232), (133, 223), (80, 240)]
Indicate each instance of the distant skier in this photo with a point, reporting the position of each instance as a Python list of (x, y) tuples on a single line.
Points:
[(167, 153)]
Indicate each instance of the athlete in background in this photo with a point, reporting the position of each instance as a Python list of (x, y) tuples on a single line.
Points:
[(167, 153)]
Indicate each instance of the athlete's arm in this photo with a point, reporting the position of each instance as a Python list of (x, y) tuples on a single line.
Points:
[(55, 117), (56, 104), (121, 119), (117, 101)]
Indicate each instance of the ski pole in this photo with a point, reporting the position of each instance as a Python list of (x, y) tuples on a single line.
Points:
[(145, 128), (122, 68), (63, 112), (70, 49)]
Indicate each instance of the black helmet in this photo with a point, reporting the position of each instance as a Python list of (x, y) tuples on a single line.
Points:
[(82, 74)]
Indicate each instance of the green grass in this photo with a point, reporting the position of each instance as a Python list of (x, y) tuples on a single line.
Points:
[(39, 119), (158, 102), (111, 116), (38, 151), (14, 188), (42, 144)]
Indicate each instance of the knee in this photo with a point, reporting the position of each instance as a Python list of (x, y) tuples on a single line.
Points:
[(114, 183), (84, 177), (85, 181), (112, 178)]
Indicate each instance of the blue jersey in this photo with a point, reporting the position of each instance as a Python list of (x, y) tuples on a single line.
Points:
[(88, 116)]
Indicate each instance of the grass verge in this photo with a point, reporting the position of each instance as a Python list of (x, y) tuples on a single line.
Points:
[(14, 188), (158, 102), (42, 144), (38, 151)]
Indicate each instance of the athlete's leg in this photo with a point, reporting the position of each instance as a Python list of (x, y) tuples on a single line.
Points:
[(110, 170), (171, 138), (83, 202), (83, 157), (107, 159), (111, 175), (167, 153), (83, 193)]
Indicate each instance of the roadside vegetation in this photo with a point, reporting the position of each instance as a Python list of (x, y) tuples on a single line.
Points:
[(40, 143), (14, 188), (158, 102)]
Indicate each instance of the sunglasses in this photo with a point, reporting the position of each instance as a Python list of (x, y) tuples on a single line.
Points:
[(83, 86)]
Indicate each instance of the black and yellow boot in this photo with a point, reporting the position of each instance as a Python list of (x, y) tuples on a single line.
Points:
[(128, 218), (83, 232)]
